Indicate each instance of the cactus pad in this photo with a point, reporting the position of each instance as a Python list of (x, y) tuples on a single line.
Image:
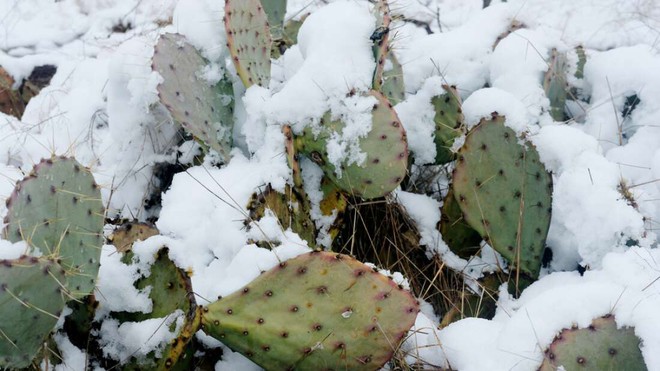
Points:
[(449, 122), (601, 346), (393, 85), (248, 40), (386, 148), (205, 111), (58, 210), (381, 41), (128, 233), (319, 310), (32, 297), (10, 99), (505, 194), (459, 236), (275, 11), (291, 208), (555, 85)]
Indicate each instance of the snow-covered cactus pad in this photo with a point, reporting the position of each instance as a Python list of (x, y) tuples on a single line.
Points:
[(449, 122), (321, 310), (57, 210), (32, 297), (505, 193), (206, 111), (248, 40), (555, 84), (386, 148), (601, 346)]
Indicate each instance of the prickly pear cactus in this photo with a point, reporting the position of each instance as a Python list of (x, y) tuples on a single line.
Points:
[(555, 85), (57, 210), (275, 11), (32, 296), (386, 148), (291, 208), (206, 111), (128, 233), (319, 309), (381, 41), (393, 86), (601, 346), (449, 122), (581, 62), (249, 41), (505, 194), (456, 232), (170, 290)]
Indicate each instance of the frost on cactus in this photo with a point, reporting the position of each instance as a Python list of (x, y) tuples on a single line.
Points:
[(319, 310), (386, 148), (601, 346), (57, 210), (448, 123), (206, 111), (505, 194), (555, 85), (32, 296), (248, 40)]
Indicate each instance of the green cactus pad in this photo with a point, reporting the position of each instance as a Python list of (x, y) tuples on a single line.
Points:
[(456, 232), (505, 194), (248, 40), (601, 346), (58, 210), (205, 111), (386, 148), (449, 122), (393, 86), (275, 11), (381, 41), (32, 296), (555, 85), (319, 310), (170, 290), (291, 208)]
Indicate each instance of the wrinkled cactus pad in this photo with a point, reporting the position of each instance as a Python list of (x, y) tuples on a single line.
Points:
[(32, 296), (505, 193), (386, 148), (601, 346), (449, 123), (275, 12), (321, 310), (206, 111), (248, 40), (57, 209)]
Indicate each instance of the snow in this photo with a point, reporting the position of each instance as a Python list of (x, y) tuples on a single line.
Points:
[(102, 108)]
